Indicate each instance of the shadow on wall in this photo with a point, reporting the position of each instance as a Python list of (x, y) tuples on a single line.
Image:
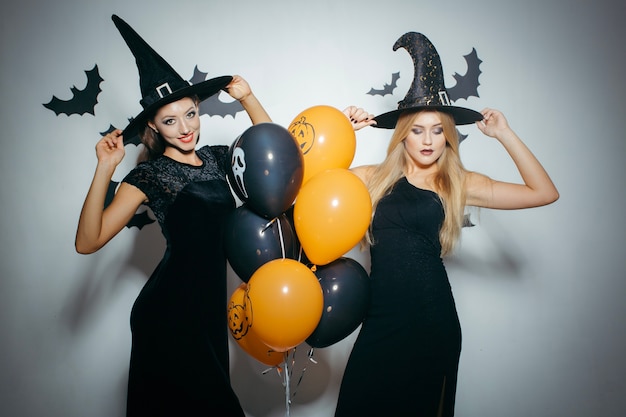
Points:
[(485, 251), (260, 388), (102, 275)]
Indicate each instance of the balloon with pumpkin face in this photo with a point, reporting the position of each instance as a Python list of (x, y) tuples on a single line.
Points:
[(326, 137), (237, 319), (304, 133), (239, 323)]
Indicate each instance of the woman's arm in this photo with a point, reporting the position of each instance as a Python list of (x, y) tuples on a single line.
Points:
[(537, 190), (239, 89), (364, 172), (96, 225), (359, 118)]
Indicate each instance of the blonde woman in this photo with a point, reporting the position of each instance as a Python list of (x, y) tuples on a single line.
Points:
[(405, 359)]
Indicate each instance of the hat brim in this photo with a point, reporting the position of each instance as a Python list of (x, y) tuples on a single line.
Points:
[(203, 90), (461, 115)]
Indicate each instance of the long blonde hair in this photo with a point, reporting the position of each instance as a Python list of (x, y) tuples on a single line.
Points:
[(448, 181)]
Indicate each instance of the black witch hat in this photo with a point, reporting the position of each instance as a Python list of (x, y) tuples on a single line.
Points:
[(427, 90), (159, 83)]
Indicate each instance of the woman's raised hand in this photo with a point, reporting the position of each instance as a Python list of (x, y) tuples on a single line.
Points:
[(494, 124), (110, 149), (359, 117)]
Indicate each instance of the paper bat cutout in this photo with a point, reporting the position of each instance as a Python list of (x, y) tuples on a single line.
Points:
[(83, 101), (109, 130), (135, 140), (387, 88), (467, 85), (213, 106), (139, 220), (110, 193)]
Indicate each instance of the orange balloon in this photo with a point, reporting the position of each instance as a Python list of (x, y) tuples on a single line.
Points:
[(245, 337), (326, 138), (285, 303), (331, 214)]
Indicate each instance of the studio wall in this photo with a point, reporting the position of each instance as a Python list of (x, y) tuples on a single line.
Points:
[(539, 292)]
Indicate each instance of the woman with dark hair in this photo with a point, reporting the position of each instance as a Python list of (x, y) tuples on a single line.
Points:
[(179, 357)]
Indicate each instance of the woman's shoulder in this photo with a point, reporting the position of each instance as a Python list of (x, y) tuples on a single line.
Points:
[(214, 149), (478, 188), (364, 172), (144, 171), (215, 155)]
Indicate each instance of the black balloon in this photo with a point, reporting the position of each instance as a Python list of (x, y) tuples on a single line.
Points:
[(251, 240), (346, 288), (267, 168)]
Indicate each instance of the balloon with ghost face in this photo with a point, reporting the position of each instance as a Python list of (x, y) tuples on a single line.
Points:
[(266, 168)]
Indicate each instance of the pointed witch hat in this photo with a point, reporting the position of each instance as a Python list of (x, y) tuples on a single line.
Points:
[(159, 83), (427, 90)]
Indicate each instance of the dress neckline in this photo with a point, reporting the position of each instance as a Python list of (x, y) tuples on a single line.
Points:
[(185, 163), (416, 187)]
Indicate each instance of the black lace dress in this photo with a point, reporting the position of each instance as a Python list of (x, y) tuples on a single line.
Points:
[(179, 358), (405, 359)]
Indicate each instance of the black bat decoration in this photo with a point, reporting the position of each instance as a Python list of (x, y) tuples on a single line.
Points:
[(83, 101), (213, 106), (109, 130), (467, 221), (387, 88), (139, 220), (110, 193), (135, 140), (467, 85)]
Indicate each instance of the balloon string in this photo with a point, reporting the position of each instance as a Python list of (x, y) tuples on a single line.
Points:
[(277, 367), (280, 233), (286, 384), (286, 373), (310, 356), (282, 241), (268, 224)]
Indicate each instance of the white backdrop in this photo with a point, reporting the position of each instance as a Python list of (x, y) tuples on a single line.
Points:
[(539, 292)]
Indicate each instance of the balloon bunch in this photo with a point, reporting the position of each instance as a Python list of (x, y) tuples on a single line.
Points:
[(302, 210)]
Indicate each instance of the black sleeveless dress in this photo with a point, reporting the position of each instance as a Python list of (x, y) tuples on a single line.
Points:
[(179, 358), (405, 359)]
